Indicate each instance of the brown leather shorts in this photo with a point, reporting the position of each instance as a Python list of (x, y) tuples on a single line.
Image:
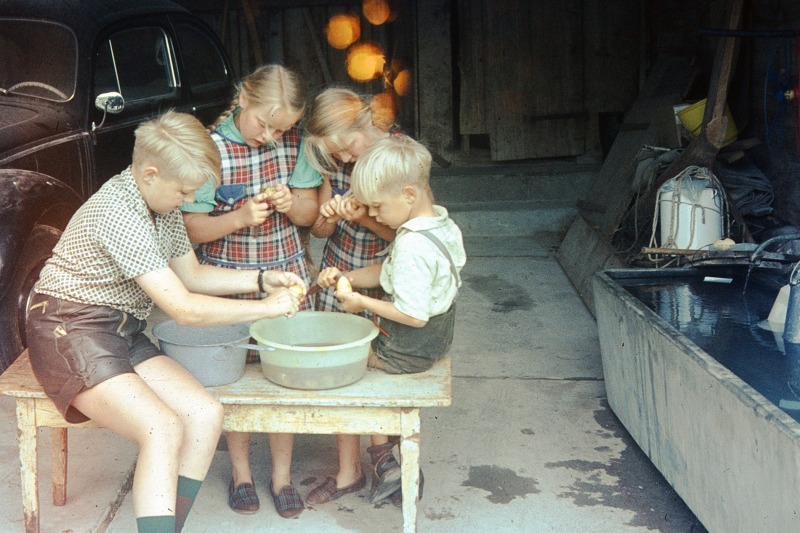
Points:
[(75, 346), (406, 350)]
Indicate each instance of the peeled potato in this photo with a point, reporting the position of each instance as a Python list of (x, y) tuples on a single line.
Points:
[(298, 291), (343, 286)]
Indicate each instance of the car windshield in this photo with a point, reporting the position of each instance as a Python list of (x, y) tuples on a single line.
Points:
[(37, 59)]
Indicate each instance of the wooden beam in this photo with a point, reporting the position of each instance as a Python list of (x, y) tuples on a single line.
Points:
[(323, 62), (250, 15)]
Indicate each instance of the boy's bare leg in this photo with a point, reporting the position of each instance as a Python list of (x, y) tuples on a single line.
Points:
[(155, 421)]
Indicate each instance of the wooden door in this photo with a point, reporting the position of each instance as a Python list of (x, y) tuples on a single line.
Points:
[(522, 82)]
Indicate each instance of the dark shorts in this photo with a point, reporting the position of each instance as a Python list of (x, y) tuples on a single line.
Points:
[(407, 350), (74, 346)]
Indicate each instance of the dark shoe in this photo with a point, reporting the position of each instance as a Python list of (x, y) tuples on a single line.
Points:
[(385, 471), (397, 496), (243, 499), (287, 502), (327, 492), (388, 484)]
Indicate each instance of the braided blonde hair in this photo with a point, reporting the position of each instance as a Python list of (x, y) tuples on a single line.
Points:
[(335, 112), (275, 86)]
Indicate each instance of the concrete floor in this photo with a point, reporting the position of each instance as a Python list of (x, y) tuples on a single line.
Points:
[(529, 443)]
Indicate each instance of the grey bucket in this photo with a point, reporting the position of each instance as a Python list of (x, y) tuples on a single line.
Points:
[(214, 355)]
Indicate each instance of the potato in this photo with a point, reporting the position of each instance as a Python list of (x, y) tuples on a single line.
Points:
[(298, 291), (343, 286), (270, 191)]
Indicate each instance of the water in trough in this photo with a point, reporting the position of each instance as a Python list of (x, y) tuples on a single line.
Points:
[(729, 323)]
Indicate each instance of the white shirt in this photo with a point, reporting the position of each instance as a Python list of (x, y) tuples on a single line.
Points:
[(417, 274)]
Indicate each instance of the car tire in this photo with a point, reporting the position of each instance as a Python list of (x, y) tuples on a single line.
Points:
[(37, 249)]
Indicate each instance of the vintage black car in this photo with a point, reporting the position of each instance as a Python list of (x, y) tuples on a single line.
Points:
[(76, 78)]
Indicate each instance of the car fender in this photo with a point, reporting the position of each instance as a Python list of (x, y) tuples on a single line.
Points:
[(28, 198)]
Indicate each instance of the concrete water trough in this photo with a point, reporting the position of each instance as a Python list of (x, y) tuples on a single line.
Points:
[(721, 440)]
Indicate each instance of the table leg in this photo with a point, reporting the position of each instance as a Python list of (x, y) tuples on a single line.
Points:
[(409, 460), (58, 453), (28, 436)]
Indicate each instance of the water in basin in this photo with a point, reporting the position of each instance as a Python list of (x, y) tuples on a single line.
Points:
[(728, 324)]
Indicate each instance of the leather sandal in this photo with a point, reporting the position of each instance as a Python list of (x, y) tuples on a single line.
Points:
[(385, 471)]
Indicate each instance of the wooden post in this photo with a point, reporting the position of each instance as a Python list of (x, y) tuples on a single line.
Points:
[(250, 14), (58, 454), (323, 63), (28, 433)]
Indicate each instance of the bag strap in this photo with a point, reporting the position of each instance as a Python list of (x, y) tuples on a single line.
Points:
[(440, 245)]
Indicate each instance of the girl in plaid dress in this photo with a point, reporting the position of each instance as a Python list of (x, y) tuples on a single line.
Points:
[(340, 127), (251, 220)]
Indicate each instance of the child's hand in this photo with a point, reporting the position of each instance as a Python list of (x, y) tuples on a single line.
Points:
[(282, 302), (255, 211), (281, 199), (351, 209), (328, 277), (351, 301), (329, 209), (275, 279)]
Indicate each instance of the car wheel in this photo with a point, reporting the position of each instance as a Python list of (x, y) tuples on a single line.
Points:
[(38, 248)]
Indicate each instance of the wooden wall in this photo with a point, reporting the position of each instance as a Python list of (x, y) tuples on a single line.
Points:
[(534, 77), (292, 33)]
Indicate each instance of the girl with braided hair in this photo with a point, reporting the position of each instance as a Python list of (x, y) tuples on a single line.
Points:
[(252, 220), (341, 126)]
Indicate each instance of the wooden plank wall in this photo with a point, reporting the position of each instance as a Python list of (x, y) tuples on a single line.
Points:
[(293, 33), (524, 66), (472, 88), (435, 74), (532, 75), (536, 107)]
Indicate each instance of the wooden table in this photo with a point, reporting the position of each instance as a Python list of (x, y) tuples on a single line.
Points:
[(377, 404)]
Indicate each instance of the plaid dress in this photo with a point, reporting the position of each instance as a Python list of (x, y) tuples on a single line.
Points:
[(275, 244), (350, 246)]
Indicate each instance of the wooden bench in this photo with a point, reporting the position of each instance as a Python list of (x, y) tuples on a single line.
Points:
[(377, 404)]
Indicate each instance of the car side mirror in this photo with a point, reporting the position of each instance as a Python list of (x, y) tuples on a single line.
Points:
[(112, 102)]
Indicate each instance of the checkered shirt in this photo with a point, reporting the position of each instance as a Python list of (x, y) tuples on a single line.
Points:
[(112, 239)]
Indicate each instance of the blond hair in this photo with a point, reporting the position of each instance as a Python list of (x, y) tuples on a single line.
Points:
[(334, 113), (389, 165), (180, 146), (274, 86)]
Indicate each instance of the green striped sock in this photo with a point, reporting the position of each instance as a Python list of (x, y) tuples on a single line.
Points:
[(188, 488), (187, 492), (156, 524)]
